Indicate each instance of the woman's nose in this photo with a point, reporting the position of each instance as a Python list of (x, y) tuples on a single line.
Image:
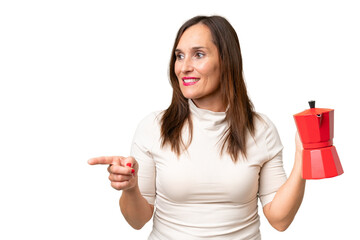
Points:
[(187, 65)]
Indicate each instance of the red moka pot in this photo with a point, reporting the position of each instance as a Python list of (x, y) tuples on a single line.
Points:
[(316, 131)]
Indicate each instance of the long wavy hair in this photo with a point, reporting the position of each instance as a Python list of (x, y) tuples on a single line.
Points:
[(240, 113)]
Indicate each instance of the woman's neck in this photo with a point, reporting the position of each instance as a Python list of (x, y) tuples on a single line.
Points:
[(214, 106)]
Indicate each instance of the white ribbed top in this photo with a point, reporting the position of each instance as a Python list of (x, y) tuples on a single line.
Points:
[(203, 194)]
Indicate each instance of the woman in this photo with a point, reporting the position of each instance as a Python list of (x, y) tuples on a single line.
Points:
[(206, 160)]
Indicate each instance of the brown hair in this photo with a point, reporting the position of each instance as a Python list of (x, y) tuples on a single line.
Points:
[(240, 113)]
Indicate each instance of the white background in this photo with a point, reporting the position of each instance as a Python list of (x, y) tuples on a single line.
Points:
[(78, 76)]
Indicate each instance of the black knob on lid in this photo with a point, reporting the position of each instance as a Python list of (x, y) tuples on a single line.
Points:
[(312, 104)]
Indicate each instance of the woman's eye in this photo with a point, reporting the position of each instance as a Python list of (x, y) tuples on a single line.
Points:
[(179, 56), (199, 55)]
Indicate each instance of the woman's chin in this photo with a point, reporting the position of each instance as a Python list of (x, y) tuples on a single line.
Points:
[(190, 94)]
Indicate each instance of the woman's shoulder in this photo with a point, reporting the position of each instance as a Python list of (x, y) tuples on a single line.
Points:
[(266, 129), (262, 121), (151, 120), (267, 133), (148, 129)]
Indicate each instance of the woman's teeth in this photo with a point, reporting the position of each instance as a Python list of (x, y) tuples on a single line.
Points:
[(190, 80)]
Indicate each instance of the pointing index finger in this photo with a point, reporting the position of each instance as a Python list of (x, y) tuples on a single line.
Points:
[(103, 160)]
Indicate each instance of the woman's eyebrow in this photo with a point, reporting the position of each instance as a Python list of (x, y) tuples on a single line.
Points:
[(194, 48), (197, 48)]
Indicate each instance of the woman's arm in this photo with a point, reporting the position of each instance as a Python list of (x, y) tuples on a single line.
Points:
[(283, 208), (136, 210), (124, 176)]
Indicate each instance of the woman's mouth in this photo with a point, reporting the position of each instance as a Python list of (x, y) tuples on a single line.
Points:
[(188, 81)]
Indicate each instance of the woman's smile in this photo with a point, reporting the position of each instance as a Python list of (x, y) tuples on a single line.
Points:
[(188, 81)]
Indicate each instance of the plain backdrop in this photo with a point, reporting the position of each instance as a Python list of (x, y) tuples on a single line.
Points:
[(78, 76)]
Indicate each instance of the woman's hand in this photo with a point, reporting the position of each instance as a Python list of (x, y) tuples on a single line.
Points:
[(123, 171), (123, 176), (298, 143)]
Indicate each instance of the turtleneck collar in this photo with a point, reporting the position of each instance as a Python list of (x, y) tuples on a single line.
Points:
[(209, 119)]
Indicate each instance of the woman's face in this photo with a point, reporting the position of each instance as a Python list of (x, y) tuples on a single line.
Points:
[(197, 68)]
